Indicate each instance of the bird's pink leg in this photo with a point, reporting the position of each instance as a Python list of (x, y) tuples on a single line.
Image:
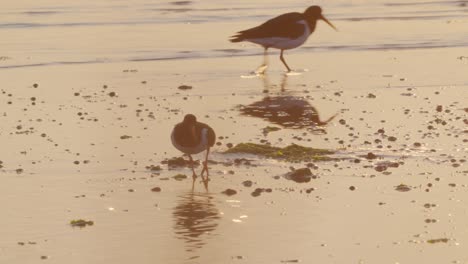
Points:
[(194, 175), (284, 62), (205, 164), (262, 68)]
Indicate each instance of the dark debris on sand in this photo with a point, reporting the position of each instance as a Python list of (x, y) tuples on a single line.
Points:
[(229, 192), (81, 223), (299, 175), (179, 162)]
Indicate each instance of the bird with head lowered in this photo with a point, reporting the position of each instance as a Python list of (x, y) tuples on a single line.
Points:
[(193, 137)]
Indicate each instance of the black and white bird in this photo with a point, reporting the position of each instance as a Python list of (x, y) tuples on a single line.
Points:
[(192, 137), (287, 31)]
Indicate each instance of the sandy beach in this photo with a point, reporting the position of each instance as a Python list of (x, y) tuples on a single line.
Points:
[(90, 94)]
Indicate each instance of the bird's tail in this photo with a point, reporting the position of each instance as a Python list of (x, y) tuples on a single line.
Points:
[(236, 38)]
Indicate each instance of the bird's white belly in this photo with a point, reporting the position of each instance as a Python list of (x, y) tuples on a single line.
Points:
[(283, 43)]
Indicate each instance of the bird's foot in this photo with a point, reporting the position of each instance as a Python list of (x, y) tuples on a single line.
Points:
[(295, 72), (261, 69)]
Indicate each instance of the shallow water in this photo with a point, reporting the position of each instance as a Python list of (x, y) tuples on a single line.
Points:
[(51, 32), (76, 145)]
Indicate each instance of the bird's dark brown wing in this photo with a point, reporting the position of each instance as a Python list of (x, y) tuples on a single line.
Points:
[(184, 137), (284, 26)]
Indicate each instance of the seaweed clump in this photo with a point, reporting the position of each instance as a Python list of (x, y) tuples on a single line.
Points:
[(179, 162), (81, 223), (291, 153), (269, 129)]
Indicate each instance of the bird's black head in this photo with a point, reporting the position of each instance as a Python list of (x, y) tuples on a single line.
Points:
[(314, 13), (190, 119)]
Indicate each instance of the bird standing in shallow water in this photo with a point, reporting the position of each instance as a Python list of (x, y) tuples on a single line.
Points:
[(287, 31), (192, 137)]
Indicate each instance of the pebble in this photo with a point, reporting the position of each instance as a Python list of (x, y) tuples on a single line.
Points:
[(247, 183), (184, 87), (229, 192), (156, 189), (300, 175)]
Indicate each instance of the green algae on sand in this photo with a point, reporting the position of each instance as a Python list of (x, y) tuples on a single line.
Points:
[(81, 223), (179, 177), (291, 153)]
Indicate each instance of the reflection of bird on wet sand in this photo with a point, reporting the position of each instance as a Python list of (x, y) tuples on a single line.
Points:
[(195, 219), (286, 110)]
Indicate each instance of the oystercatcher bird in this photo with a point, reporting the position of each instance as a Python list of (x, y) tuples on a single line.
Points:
[(192, 137), (287, 31)]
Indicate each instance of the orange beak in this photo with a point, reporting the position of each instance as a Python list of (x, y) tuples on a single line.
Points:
[(328, 22)]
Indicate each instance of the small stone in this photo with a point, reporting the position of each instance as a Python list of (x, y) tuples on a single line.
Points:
[(179, 177), (257, 192), (247, 183), (81, 223), (402, 188), (380, 168), (154, 168), (290, 261), (352, 188), (156, 189), (184, 87), (229, 192), (300, 175)]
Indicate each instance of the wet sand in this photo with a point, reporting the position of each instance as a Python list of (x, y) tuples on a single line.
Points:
[(77, 139)]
